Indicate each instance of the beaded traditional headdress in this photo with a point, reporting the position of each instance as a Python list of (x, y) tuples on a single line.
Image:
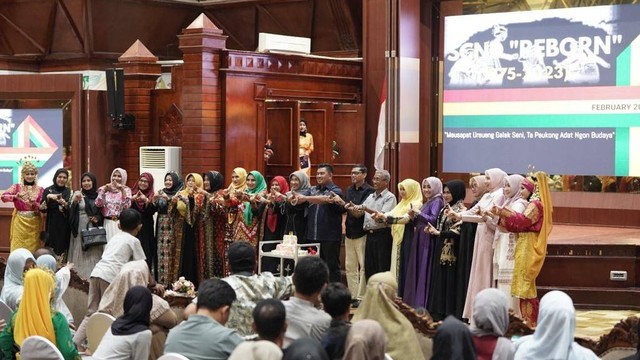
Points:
[(531, 177), (27, 164)]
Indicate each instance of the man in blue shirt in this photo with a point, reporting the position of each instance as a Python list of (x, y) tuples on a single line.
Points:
[(324, 217)]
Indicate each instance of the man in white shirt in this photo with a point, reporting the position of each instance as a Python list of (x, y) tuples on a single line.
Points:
[(304, 318), (122, 248)]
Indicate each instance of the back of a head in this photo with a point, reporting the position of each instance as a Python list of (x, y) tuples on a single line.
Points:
[(556, 319), (137, 312), (130, 219), (242, 257), (305, 348), (269, 317), (490, 313), (453, 341), (34, 312), (214, 294), (336, 299), (310, 275), (366, 340), (43, 251), (256, 350)]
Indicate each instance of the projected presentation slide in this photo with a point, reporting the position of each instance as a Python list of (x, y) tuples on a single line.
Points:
[(559, 89)]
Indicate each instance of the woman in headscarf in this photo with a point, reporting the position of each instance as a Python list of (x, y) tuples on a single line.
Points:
[(446, 238), (505, 241), (378, 304), (453, 341), (26, 220), (416, 288), (190, 203), (366, 341), (82, 211), (533, 227), (35, 317), (168, 226), (305, 348), (19, 261), (62, 277), (55, 202), (491, 320), (257, 350), (211, 229), (112, 199), (402, 228), (252, 205), (305, 147), (554, 335), (482, 264), (233, 195), (129, 337), (136, 273), (274, 219), (465, 248), (142, 200), (296, 221)]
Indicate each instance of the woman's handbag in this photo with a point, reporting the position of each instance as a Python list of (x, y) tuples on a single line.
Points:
[(93, 236)]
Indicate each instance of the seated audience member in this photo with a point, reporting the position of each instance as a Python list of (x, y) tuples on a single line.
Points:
[(43, 251), (491, 320), (129, 336), (336, 300), (122, 248), (366, 340), (63, 276), (257, 350), (453, 341), (304, 319), (553, 337), (203, 335), (19, 261), (35, 317), (378, 305), (305, 348), (249, 287), (270, 321), (636, 356)]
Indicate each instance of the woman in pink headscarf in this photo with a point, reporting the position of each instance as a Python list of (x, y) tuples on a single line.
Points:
[(482, 263), (274, 219), (112, 199)]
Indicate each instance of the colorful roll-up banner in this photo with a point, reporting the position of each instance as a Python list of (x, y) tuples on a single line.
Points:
[(559, 89)]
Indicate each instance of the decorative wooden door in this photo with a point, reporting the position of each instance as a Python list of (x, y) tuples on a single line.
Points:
[(281, 127)]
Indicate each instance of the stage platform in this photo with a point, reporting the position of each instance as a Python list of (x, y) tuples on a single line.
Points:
[(598, 266)]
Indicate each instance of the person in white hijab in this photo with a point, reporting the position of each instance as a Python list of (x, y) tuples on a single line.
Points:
[(256, 350), (19, 261), (491, 320), (554, 335), (63, 276)]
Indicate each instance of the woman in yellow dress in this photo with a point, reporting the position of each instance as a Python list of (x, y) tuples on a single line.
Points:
[(305, 146), (26, 222)]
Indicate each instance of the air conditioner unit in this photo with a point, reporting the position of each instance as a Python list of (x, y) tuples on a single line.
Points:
[(158, 161), (282, 43)]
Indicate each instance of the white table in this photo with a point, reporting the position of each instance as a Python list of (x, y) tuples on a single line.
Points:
[(295, 256)]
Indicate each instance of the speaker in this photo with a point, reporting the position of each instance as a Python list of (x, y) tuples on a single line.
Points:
[(115, 93)]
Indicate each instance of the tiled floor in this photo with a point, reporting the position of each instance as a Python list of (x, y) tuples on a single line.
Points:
[(594, 323)]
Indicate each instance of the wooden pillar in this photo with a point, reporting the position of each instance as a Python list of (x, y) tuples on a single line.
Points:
[(140, 74), (202, 129)]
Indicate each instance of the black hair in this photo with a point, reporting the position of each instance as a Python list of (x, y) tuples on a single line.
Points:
[(363, 169), (214, 294), (242, 257), (270, 317), (130, 219), (303, 120), (326, 166), (310, 275), (336, 299)]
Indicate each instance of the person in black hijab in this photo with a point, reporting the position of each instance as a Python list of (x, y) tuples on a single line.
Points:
[(129, 336), (55, 203), (214, 219), (442, 295), (453, 341), (305, 348), (167, 231), (82, 212)]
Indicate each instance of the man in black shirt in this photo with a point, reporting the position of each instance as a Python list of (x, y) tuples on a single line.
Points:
[(356, 236)]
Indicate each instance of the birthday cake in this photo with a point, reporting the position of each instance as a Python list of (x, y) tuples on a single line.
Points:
[(289, 246)]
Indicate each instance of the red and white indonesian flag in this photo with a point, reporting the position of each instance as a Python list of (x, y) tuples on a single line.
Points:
[(380, 139)]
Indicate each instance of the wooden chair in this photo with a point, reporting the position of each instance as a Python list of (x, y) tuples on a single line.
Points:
[(5, 312)]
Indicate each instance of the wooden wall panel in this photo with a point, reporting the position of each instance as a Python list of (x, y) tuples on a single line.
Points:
[(281, 127), (350, 135)]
